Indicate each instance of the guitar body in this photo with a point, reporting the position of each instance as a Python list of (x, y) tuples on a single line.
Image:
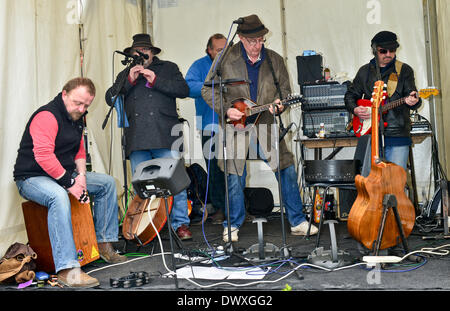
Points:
[(243, 106), (363, 127), (365, 217), (367, 210)]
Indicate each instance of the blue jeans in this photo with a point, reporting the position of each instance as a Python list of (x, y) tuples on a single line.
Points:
[(45, 191), (216, 186), (289, 191), (179, 213), (397, 154)]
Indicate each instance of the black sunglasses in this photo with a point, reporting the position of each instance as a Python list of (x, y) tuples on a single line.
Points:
[(384, 51)]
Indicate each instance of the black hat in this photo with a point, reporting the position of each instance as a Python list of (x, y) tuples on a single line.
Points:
[(385, 39), (142, 40), (252, 27)]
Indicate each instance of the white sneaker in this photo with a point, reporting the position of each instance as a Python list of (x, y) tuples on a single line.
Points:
[(234, 234), (302, 229)]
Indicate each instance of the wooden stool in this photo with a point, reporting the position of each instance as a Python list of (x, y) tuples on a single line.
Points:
[(35, 216)]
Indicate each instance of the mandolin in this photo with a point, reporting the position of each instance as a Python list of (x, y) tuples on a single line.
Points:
[(363, 127), (384, 178), (249, 108)]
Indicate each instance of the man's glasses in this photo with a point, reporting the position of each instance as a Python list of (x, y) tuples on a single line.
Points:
[(255, 41), (384, 51)]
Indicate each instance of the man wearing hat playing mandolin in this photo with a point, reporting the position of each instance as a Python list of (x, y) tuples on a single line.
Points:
[(399, 78), (269, 82), (150, 93)]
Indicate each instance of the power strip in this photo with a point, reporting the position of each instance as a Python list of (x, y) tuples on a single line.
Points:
[(381, 259)]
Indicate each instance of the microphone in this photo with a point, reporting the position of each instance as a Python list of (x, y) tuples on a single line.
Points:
[(285, 131), (145, 56), (240, 20), (125, 54)]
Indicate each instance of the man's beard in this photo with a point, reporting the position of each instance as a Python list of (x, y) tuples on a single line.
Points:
[(75, 116)]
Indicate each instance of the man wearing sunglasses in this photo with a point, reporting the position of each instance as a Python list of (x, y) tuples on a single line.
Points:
[(149, 94), (268, 83), (399, 78)]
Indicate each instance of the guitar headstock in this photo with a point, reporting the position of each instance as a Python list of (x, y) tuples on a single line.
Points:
[(379, 94), (431, 91), (292, 99)]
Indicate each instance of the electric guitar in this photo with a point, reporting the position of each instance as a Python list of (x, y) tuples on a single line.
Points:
[(363, 127), (249, 108)]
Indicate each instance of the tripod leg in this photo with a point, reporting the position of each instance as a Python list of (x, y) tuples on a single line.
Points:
[(400, 228), (382, 223)]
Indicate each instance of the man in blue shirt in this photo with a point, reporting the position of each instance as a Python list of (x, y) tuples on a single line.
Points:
[(207, 120)]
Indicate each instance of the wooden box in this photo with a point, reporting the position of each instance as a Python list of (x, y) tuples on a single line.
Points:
[(35, 216)]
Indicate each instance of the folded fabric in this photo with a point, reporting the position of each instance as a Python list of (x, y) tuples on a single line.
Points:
[(17, 264), (122, 120)]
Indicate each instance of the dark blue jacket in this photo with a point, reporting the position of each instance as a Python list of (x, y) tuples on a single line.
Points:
[(152, 111)]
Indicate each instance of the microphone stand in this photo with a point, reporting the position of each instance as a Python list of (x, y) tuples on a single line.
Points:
[(218, 73), (285, 252), (222, 83), (130, 61)]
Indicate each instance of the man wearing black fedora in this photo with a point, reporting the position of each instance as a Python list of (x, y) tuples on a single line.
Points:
[(399, 78), (149, 93), (269, 82)]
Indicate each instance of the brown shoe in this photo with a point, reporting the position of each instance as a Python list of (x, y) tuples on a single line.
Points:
[(218, 218), (75, 277), (184, 233), (108, 254)]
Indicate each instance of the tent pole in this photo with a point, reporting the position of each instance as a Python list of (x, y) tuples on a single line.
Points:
[(434, 78)]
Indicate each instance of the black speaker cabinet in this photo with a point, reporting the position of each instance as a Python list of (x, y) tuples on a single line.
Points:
[(158, 176), (346, 199), (309, 69)]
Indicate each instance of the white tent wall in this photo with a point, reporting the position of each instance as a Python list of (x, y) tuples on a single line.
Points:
[(340, 30), (41, 51), (17, 68)]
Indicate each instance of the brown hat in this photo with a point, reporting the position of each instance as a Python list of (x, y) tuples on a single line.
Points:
[(252, 27), (142, 40)]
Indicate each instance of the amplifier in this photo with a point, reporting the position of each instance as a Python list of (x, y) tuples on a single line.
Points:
[(309, 68), (335, 122), (328, 95), (420, 126), (346, 198)]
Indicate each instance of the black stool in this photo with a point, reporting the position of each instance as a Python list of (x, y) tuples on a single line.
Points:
[(325, 174)]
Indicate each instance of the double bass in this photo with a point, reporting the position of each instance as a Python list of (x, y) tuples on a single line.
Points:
[(385, 178)]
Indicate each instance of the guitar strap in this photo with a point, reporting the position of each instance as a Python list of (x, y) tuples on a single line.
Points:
[(277, 85), (393, 78)]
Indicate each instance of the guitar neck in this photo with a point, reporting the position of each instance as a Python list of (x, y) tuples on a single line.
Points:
[(374, 141), (258, 109), (393, 104)]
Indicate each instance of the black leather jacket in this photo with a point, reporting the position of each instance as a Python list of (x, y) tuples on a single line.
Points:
[(397, 119)]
